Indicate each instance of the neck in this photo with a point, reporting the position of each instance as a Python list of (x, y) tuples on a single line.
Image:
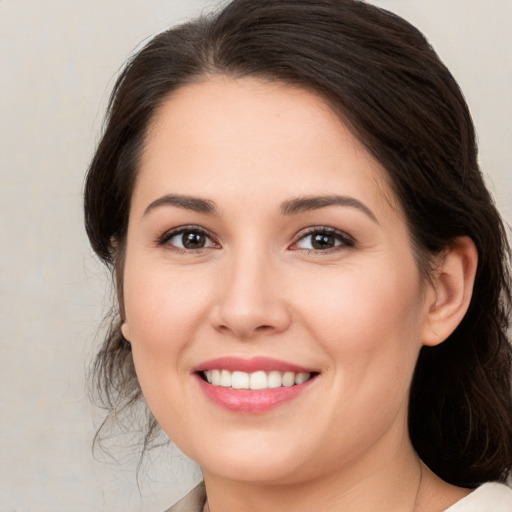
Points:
[(389, 484)]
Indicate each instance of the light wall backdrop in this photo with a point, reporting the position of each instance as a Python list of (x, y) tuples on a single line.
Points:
[(58, 62)]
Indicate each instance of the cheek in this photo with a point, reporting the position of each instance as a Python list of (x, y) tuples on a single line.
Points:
[(371, 325), (370, 321), (162, 309), (155, 295), (163, 312)]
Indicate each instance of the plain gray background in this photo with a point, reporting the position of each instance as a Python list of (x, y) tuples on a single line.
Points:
[(58, 61)]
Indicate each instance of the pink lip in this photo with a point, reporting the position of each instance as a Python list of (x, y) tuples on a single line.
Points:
[(251, 401), (254, 364), (248, 401)]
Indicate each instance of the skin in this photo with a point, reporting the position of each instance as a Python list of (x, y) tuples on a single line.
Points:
[(357, 313)]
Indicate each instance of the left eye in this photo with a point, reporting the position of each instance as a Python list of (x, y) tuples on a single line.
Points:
[(323, 240), (189, 238)]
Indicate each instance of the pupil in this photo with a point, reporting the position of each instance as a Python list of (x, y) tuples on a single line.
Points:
[(193, 240), (322, 241)]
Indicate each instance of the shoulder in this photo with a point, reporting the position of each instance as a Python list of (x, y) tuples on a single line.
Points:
[(489, 497), (193, 502)]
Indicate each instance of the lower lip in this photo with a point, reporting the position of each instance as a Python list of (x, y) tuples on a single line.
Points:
[(252, 401)]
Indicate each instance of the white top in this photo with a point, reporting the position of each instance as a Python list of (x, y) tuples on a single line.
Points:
[(490, 497)]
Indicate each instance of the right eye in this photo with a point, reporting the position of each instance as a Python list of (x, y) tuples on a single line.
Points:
[(188, 238)]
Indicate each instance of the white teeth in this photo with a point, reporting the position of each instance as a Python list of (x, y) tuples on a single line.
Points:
[(288, 379), (225, 379), (301, 377), (240, 380), (275, 380), (215, 377), (255, 380), (258, 380)]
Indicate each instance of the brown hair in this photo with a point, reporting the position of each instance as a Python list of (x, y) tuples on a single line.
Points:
[(398, 98)]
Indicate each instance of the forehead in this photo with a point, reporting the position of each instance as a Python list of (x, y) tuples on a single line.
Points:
[(227, 132)]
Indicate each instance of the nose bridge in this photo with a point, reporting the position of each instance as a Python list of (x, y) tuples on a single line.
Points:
[(250, 300)]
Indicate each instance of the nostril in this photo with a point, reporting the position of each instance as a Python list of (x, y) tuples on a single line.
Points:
[(260, 329), (245, 321), (264, 328)]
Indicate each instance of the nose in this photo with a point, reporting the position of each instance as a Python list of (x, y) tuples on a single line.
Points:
[(251, 301)]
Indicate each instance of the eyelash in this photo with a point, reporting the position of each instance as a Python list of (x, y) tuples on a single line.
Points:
[(168, 235), (345, 241), (342, 239)]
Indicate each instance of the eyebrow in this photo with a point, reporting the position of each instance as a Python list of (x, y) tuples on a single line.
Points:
[(290, 207), (195, 204), (308, 203)]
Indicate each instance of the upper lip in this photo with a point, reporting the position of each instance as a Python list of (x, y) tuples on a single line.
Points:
[(250, 365)]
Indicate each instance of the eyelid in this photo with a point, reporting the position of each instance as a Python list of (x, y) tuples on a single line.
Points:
[(346, 239), (167, 235)]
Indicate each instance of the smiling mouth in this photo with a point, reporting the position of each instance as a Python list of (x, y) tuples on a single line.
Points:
[(256, 380)]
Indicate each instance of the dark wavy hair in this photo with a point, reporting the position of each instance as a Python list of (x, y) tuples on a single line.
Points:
[(388, 85)]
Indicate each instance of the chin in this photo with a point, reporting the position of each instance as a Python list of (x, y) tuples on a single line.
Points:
[(261, 472), (257, 461)]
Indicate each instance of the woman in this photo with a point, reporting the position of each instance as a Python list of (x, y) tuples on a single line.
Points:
[(312, 278)]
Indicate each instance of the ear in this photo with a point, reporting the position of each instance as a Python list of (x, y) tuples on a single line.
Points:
[(452, 286), (125, 331)]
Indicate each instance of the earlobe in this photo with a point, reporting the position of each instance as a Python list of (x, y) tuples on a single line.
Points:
[(125, 331), (452, 284)]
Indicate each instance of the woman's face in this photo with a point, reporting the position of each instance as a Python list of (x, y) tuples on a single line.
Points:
[(266, 249)]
